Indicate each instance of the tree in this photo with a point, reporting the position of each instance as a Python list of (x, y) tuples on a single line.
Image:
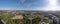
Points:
[(36, 20)]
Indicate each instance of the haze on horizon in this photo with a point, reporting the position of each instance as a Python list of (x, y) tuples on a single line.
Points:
[(30, 5)]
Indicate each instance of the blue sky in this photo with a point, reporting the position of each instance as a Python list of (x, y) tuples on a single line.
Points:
[(24, 4)]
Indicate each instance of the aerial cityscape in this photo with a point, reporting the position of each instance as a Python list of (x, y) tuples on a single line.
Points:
[(29, 17), (29, 11)]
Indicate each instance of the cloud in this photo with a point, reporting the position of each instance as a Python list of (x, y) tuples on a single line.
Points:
[(52, 2), (22, 1), (9, 8), (36, 5), (33, 3), (49, 8), (52, 6)]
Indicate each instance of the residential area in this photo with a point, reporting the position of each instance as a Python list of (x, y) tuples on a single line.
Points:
[(29, 17)]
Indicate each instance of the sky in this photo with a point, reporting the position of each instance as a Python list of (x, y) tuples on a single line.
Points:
[(30, 5)]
